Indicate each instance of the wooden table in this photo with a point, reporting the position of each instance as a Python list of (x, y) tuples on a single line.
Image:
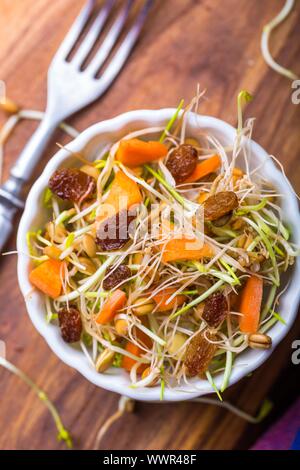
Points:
[(216, 43)]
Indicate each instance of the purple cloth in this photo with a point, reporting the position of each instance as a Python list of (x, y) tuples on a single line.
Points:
[(283, 435)]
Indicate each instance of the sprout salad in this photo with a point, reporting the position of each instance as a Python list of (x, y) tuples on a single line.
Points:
[(164, 256)]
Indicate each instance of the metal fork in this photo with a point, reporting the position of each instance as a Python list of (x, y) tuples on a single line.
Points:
[(70, 89)]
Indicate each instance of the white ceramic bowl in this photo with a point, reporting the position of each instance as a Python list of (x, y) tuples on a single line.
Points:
[(89, 142)]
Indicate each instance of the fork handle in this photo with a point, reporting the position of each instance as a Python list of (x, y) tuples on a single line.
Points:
[(22, 170), (11, 190), (30, 155)]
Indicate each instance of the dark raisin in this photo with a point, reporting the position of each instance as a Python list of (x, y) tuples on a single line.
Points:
[(121, 273), (215, 309), (199, 353), (70, 324), (72, 184), (220, 204), (182, 162), (114, 232)]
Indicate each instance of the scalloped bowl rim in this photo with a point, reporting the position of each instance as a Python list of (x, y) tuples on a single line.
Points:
[(117, 380)]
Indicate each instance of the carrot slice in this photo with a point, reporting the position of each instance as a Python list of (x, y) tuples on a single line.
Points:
[(124, 187), (123, 194), (204, 168), (128, 362), (250, 305), (47, 277), (162, 297), (186, 248), (114, 303), (135, 152)]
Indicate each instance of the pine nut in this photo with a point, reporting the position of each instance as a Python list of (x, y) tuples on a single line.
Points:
[(91, 171), (90, 268), (105, 360), (57, 233), (89, 245), (177, 342), (52, 251), (143, 306), (198, 311), (259, 341), (60, 232), (121, 326)]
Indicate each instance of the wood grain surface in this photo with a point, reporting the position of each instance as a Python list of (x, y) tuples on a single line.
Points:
[(215, 43)]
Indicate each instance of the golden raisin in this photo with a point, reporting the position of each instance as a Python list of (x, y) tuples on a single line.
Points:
[(219, 205), (182, 162), (199, 353)]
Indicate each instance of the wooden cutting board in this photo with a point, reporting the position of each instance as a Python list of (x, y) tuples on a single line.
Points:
[(215, 43)]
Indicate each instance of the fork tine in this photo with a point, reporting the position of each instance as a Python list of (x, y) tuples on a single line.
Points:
[(124, 50), (76, 28), (93, 34), (110, 40)]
